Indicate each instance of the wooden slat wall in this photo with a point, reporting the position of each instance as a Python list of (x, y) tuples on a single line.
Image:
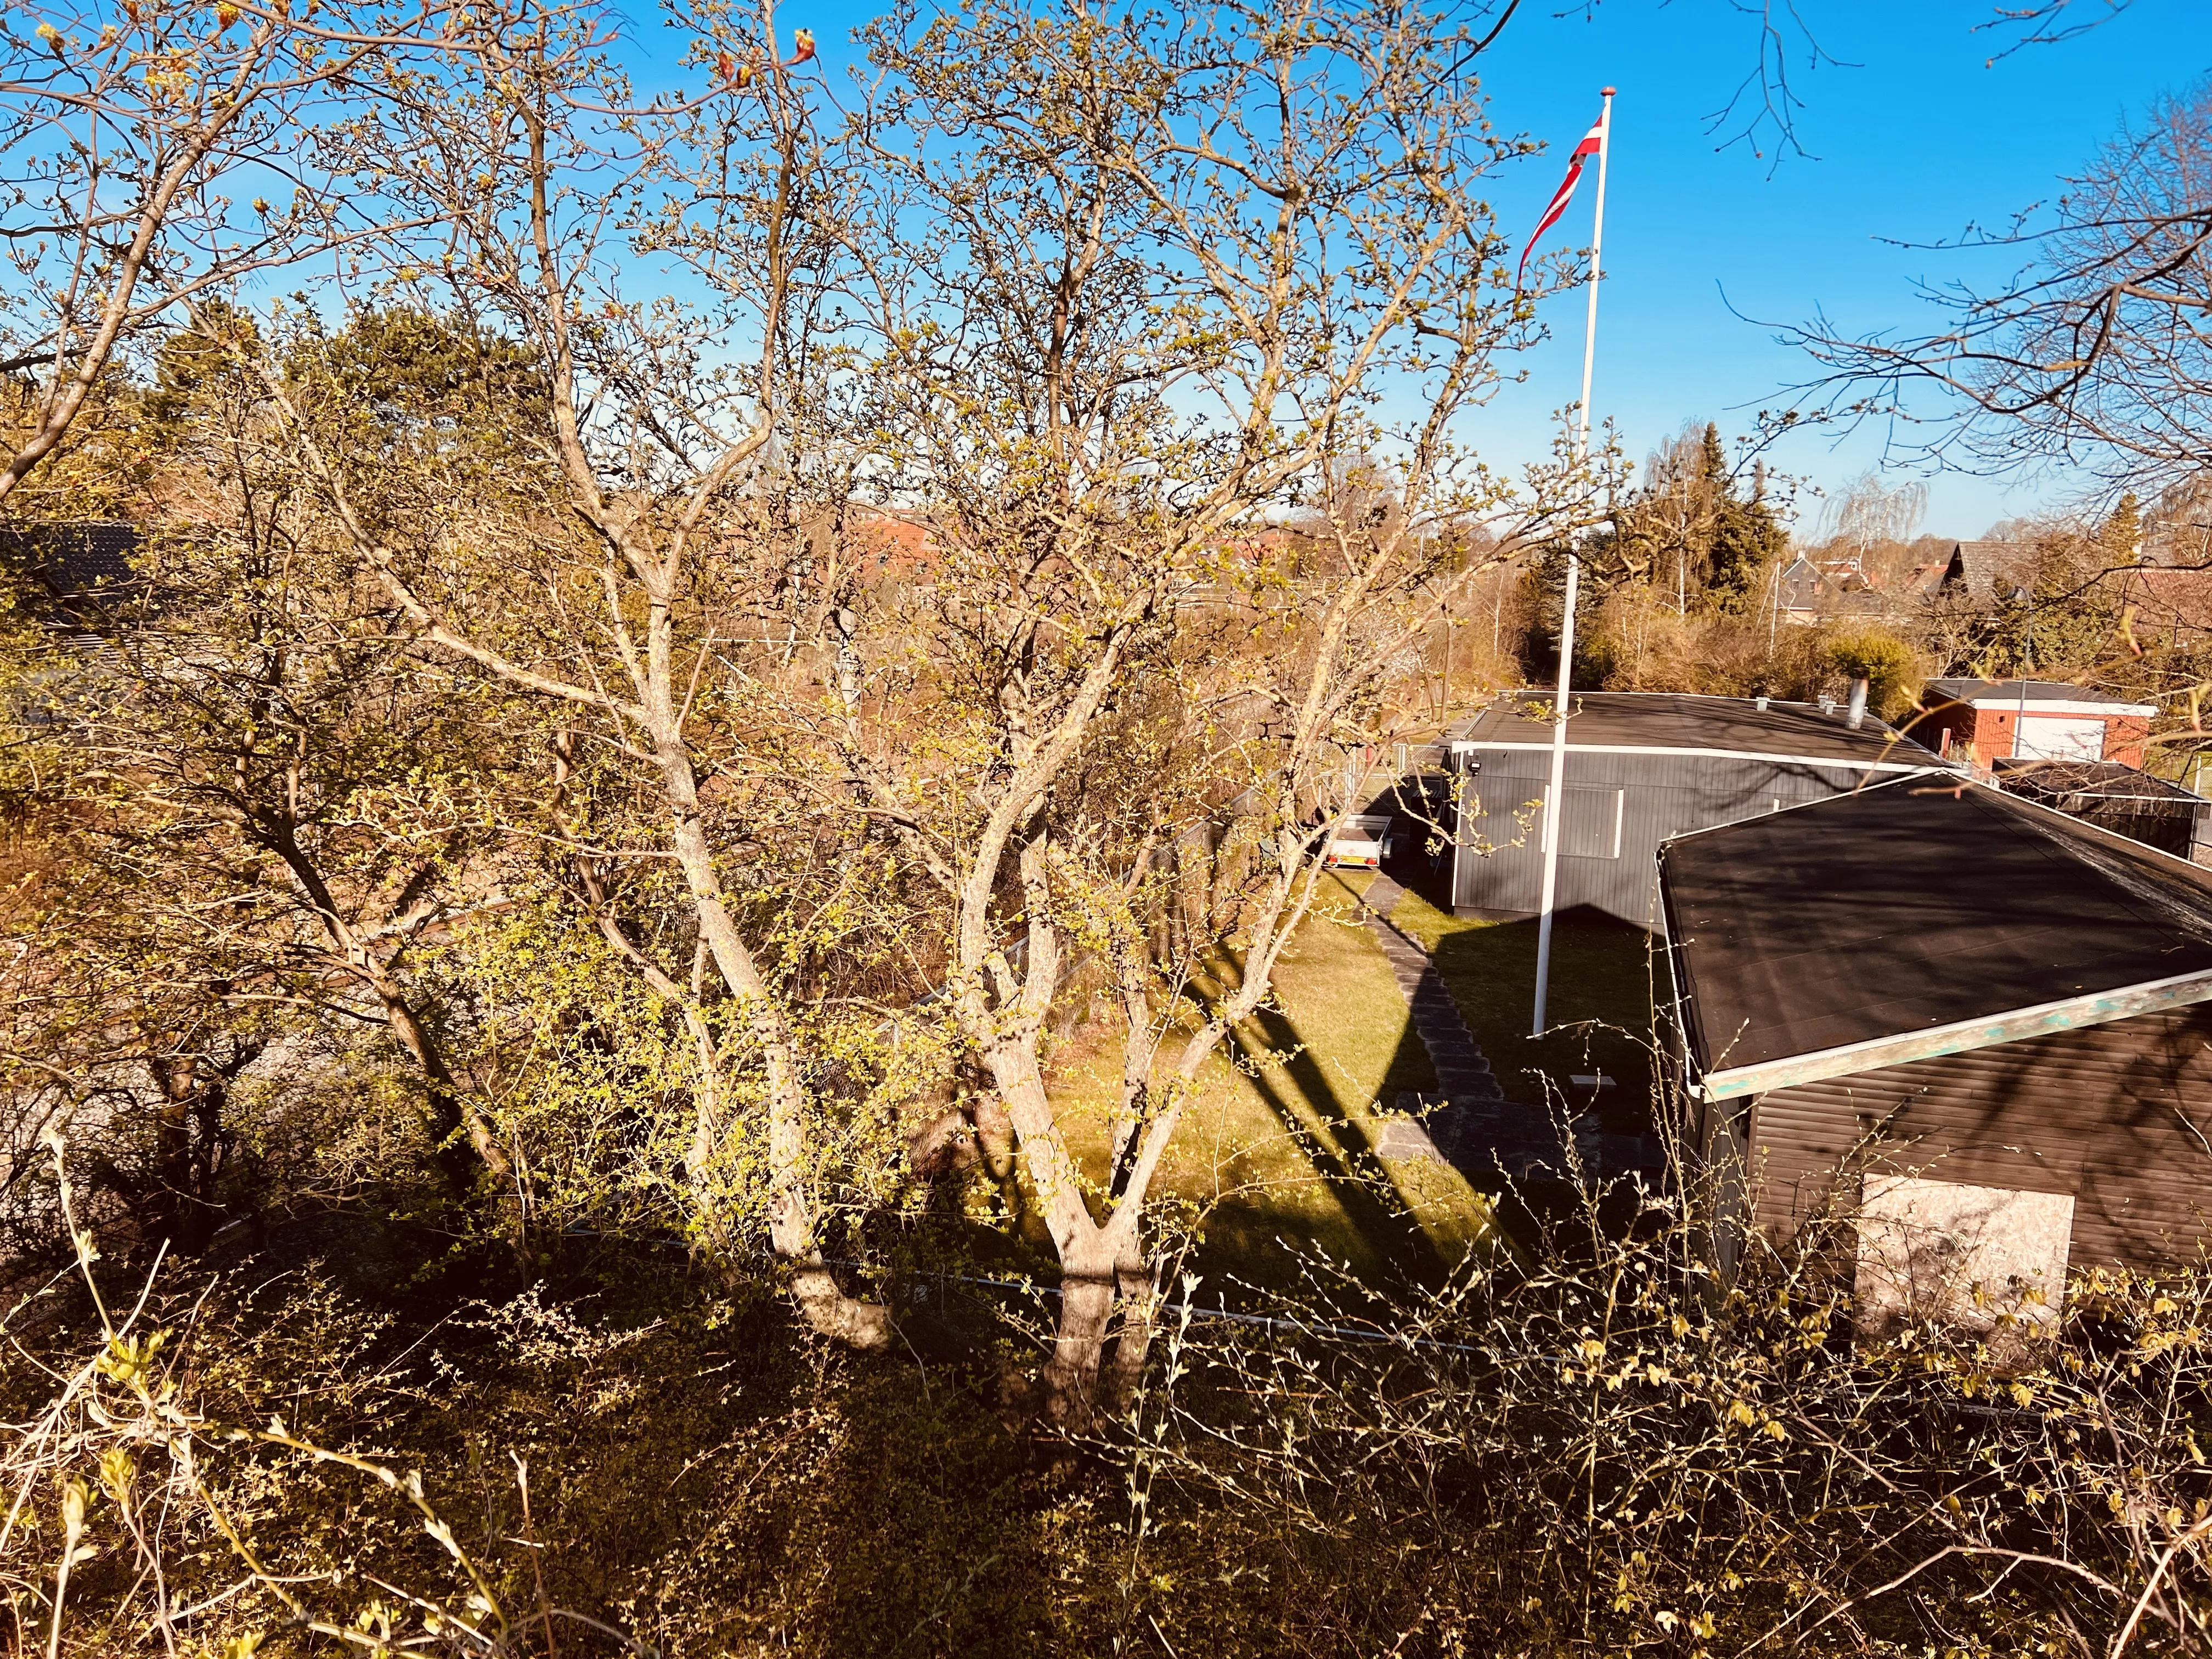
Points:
[(2118, 1114)]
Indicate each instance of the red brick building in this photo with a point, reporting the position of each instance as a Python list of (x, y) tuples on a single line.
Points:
[(1984, 721)]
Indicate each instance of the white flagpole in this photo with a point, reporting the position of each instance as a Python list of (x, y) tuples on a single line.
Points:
[(1555, 796)]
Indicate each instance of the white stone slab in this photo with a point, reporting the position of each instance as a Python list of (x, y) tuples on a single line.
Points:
[(1965, 1255)]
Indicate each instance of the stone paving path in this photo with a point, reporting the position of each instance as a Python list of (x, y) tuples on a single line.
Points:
[(1462, 1073), (1475, 1127)]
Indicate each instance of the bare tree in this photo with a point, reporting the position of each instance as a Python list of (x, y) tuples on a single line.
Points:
[(1118, 346), (153, 155), (1866, 512), (544, 180), (1090, 342), (288, 762), (2095, 354)]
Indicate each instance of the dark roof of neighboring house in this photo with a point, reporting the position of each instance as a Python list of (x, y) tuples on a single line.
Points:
[(2036, 691), (1924, 581), (1920, 909), (1679, 721), (86, 560), (2055, 781), (1991, 571)]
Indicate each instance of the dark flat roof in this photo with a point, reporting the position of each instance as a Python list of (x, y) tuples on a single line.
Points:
[(2037, 691), (1670, 720), (2051, 779), (1911, 905)]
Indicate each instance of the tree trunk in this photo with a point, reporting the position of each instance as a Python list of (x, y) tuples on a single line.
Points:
[(449, 1109), (1096, 1261), (181, 1205), (1096, 1365), (1088, 1284), (791, 1218), (1139, 1282)]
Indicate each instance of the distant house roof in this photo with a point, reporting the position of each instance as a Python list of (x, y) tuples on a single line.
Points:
[(1924, 580), (901, 545), (1677, 722), (88, 559), (2167, 599), (1829, 587), (2044, 696), (1991, 571), (1916, 918)]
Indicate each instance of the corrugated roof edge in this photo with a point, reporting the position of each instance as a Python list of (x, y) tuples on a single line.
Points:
[(1549, 694), (1953, 769), (1987, 1031), (1471, 745)]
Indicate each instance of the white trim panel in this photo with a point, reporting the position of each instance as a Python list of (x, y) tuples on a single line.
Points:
[(2055, 706), (1468, 746)]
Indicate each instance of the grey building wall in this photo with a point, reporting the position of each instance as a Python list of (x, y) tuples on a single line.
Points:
[(1620, 804)]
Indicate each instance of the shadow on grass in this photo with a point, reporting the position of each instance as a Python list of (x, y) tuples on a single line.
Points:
[(1337, 1145), (1415, 868), (1600, 1010)]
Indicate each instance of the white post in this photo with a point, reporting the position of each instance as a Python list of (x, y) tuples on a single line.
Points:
[(1555, 796)]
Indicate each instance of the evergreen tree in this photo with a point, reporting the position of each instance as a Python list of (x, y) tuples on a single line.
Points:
[(2122, 537), (1747, 541)]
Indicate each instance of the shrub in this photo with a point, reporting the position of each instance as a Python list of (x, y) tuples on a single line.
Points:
[(1889, 666)]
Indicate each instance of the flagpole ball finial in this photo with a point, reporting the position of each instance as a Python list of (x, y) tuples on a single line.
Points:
[(1608, 93)]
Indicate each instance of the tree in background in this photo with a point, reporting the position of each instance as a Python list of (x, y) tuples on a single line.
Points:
[(1676, 581), (1748, 542), (132, 141), (1867, 513), (2087, 357), (2057, 615), (1887, 665), (1698, 528)]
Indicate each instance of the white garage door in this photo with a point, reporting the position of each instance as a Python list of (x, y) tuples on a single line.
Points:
[(2047, 737)]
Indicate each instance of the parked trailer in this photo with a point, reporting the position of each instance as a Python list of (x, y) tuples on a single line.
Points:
[(1360, 842)]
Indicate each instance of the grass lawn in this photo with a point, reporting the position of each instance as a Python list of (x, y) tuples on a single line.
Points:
[(1278, 1144), (1604, 977)]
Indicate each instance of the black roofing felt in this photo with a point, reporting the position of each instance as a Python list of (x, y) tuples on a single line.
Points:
[(2056, 780), (2010, 690), (1910, 905), (85, 556), (1666, 720)]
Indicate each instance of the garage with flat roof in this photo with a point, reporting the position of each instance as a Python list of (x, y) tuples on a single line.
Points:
[(1640, 767)]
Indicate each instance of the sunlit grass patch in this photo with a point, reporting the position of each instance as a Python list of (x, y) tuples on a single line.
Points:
[(1277, 1149)]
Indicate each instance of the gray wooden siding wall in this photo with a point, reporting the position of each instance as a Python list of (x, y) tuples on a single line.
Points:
[(2118, 1114), (1498, 865)]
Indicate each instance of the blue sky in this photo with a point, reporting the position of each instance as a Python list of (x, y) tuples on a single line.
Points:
[(1911, 135), (1922, 138)]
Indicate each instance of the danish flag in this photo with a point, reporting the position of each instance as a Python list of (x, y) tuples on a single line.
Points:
[(1593, 142)]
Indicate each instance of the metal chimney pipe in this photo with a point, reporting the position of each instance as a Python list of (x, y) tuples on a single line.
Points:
[(1855, 716)]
